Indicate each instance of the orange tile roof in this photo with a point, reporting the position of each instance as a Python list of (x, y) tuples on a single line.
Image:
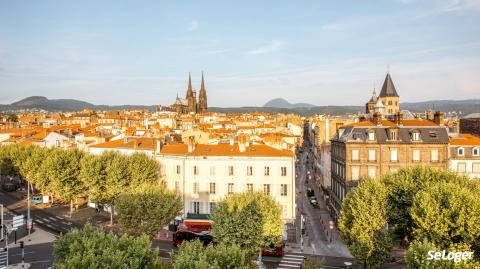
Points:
[(225, 150), (465, 140), (133, 143), (389, 123)]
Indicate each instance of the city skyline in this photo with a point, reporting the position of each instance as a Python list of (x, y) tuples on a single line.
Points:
[(320, 53)]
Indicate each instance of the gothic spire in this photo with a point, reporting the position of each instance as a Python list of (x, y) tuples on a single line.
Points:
[(202, 86)]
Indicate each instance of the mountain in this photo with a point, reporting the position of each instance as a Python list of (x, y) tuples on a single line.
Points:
[(61, 105), (277, 105), (282, 103)]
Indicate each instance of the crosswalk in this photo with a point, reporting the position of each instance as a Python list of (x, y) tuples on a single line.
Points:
[(50, 222), (289, 261)]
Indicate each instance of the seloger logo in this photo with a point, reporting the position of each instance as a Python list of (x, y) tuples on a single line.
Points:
[(455, 256)]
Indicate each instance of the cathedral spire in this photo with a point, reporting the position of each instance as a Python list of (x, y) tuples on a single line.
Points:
[(202, 98), (202, 86), (189, 89)]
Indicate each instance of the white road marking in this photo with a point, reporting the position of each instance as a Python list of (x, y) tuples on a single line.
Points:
[(52, 218), (38, 220), (289, 265), (58, 217)]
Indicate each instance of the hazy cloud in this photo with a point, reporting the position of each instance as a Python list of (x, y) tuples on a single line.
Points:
[(270, 47)]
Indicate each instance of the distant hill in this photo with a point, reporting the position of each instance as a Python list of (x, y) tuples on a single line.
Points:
[(61, 105), (282, 103), (278, 105)]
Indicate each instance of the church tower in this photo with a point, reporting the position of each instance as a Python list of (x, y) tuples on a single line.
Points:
[(202, 98), (370, 106), (389, 96), (191, 97)]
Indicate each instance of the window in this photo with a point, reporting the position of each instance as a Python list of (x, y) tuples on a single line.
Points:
[(434, 155), (372, 155), (213, 205), (475, 151), (57, 143), (284, 171), (212, 170), (416, 155), (283, 189), (355, 173), (177, 186), (476, 168), (371, 136), (249, 187), (460, 152), (231, 188), (267, 171), (195, 170), (178, 169), (230, 171), (266, 189), (393, 135), (213, 188), (390, 103), (355, 155), (196, 207), (195, 187), (249, 170), (393, 155), (461, 168), (416, 136), (372, 172)]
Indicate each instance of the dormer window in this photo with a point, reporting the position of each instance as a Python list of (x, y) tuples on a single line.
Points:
[(460, 152), (393, 135), (415, 136), (475, 152), (371, 136)]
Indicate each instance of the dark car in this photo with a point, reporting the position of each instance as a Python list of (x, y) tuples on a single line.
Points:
[(8, 187), (310, 192), (313, 201)]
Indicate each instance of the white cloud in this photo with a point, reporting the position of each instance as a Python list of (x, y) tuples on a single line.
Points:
[(193, 25), (270, 47)]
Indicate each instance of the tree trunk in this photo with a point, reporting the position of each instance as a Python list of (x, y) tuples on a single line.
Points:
[(71, 207)]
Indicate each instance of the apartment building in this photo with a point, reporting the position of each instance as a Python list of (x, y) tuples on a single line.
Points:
[(377, 146), (464, 155), (205, 174)]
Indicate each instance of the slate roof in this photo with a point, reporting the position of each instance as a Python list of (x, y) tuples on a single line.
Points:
[(388, 89)]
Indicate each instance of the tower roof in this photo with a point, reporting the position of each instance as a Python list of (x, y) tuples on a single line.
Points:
[(373, 100), (202, 86), (189, 83), (388, 89)]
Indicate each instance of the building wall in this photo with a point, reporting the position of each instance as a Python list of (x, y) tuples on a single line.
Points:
[(391, 104), (469, 161), (185, 180)]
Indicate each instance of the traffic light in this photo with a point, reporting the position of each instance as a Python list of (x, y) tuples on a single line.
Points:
[(21, 244)]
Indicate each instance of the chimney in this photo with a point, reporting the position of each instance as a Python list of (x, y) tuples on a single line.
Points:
[(247, 141), (438, 118), (125, 140), (241, 143), (191, 144), (429, 115), (232, 141), (376, 118), (398, 118), (159, 146)]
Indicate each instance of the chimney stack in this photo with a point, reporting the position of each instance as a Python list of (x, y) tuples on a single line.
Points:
[(398, 118), (438, 118), (241, 143), (191, 144), (232, 141), (376, 118), (159, 146)]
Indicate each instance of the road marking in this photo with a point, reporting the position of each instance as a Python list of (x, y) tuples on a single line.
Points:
[(52, 218), (20, 254), (289, 265), (38, 220), (44, 219), (292, 259), (58, 217)]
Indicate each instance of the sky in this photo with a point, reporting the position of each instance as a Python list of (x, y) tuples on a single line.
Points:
[(320, 52)]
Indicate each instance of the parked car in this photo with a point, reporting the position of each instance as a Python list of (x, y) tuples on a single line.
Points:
[(37, 199), (310, 192), (314, 202)]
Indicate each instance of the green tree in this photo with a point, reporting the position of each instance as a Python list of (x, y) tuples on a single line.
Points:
[(403, 186), (12, 118), (193, 255), (62, 168), (363, 224), (251, 220), (117, 178), (447, 214), (93, 248), (93, 176), (147, 208), (7, 168), (142, 169), (33, 166)]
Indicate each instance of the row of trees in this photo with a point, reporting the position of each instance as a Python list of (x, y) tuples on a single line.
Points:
[(419, 208), (244, 223), (71, 174)]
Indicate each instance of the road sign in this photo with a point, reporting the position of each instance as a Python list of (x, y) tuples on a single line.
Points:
[(17, 221)]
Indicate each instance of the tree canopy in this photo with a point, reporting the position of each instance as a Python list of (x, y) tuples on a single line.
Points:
[(251, 220), (93, 248)]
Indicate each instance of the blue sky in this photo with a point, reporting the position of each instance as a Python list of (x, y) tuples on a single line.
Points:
[(321, 52)]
